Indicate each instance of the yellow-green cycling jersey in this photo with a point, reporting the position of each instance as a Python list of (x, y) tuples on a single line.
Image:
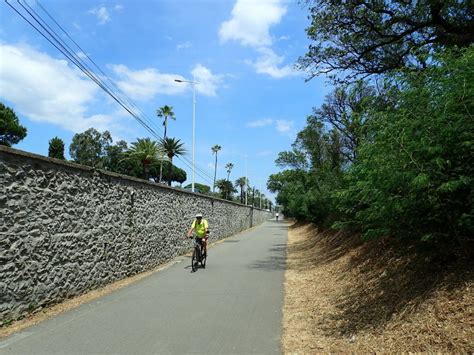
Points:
[(200, 228)]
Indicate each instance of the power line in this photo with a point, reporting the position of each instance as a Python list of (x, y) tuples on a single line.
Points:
[(45, 30)]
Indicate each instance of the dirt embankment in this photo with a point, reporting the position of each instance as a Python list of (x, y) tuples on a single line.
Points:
[(345, 296)]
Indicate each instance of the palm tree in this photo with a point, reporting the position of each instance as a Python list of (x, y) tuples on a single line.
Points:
[(165, 112), (172, 147), (241, 183), (226, 188), (215, 149), (145, 151), (228, 168)]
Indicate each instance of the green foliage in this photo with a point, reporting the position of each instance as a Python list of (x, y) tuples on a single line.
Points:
[(411, 173), (165, 112), (226, 188), (90, 147), (11, 132), (177, 174), (241, 183), (204, 189), (415, 177), (56, 148), (172, 147), (145, 152)]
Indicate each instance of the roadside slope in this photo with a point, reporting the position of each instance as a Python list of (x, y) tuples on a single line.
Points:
[(345, 296)]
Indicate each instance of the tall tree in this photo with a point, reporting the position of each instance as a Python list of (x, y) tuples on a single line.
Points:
[(90, 147), (346, 110), (241, 182), (172, 147), (359, 38), (145, 151), (165, 112), (216, 148), (228, 168), (11, 132), (56, 148)]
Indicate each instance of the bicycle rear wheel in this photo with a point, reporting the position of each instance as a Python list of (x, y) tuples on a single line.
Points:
[(194, 260)]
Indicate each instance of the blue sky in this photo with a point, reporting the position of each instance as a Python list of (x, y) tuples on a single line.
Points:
[(249, 99)]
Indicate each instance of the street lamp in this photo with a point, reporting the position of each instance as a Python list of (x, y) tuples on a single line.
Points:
[(246, 180), (193, 83)]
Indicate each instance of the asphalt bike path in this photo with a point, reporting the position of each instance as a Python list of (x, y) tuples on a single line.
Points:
[(233, 306)]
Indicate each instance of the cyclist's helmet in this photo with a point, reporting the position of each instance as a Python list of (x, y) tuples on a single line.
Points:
[(199, 215)]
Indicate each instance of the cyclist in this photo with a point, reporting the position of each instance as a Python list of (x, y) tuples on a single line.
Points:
[(201, 228)]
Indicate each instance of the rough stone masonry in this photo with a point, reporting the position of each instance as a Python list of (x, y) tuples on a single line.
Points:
[(66, 229)]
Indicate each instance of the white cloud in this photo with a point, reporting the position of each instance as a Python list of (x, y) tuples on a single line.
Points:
[(147, 83), (118, 8), (251, 20), (268, 63), (208, 82), (183, 45), (260, 123), (250, 25), (46, 89), (284, 127), (101, 13)]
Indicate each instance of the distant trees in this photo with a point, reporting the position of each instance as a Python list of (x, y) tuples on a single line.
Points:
[(11, 131), (90, 147), (204, 189), (56, 148)]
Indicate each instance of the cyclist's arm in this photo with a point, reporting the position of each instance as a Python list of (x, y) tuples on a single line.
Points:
[(206, 234), (190, 232)]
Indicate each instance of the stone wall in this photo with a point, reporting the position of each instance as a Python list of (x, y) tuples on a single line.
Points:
[(66, 228)]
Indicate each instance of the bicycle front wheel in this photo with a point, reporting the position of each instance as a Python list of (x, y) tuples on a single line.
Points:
[(203, 259)]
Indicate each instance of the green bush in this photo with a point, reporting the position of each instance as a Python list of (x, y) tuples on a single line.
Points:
[(415, 173)]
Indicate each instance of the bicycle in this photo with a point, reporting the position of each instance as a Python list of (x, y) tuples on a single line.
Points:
[(199, 254)]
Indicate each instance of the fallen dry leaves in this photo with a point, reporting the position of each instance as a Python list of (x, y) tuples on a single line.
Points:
[(345, 296)]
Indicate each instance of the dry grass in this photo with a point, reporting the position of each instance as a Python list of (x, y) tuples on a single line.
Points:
[(345, 296)]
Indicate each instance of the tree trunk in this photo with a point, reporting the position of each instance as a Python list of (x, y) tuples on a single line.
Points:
[(161, 161), (215, 172), (171, 171)]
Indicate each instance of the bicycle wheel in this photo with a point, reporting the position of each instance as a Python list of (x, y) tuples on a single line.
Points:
[(203, 258), (194, 260)]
